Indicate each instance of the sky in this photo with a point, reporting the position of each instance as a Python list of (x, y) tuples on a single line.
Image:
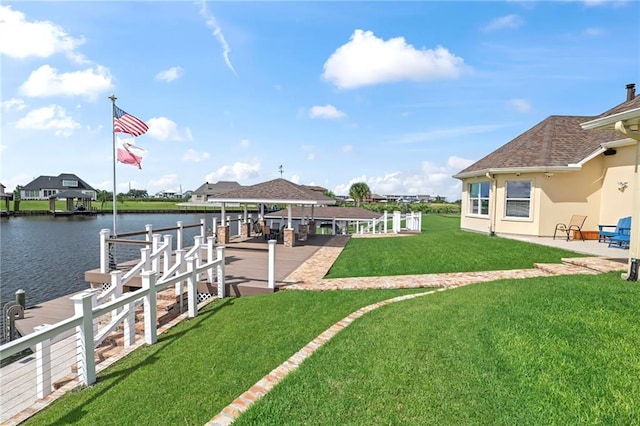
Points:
[(400, 95)]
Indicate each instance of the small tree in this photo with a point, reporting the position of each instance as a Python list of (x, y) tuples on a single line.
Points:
[(359, 191), (17, 198)]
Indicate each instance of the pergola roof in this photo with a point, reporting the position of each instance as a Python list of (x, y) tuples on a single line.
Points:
[(70, 194), (277, 191), (328, 213)]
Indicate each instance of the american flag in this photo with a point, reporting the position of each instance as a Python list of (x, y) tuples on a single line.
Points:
[(127, 123)]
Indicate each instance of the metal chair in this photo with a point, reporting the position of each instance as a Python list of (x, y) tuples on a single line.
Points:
[(575, 224)]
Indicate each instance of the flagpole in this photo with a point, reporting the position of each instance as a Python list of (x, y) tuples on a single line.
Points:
[(113, 133)]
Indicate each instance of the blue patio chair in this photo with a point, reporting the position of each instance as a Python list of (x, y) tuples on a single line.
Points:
[(604, 234), (623, 236)]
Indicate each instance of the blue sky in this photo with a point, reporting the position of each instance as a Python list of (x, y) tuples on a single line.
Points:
[(401, 95)]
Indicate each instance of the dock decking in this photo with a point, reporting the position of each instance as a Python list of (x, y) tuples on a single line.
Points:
[(246, 271)]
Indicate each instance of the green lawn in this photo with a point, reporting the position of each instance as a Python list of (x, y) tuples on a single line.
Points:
[(553, 351), (442, 247), (201, 365)]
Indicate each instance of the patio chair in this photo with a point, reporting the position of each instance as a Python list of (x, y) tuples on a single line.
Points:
[(257, 229), (604, 235), (575, 224), (622, 238)]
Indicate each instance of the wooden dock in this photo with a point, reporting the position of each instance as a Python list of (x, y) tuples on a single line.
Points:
[(246, 271)]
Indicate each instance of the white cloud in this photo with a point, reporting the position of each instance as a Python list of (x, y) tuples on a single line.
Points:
[(192, 156), (237, 171), (613, 3), (244, 143), (295, 179), (520, 105), (10, 182), (367, 60), (171, 74), (326, 111), (13, 104), (212, 23), (164, 183), (163, 129), (45, 81), (508, 21), (455, 132), (594, 32), (346, 148), (21, 39), (311, 156), (52, 117), (431, 179)]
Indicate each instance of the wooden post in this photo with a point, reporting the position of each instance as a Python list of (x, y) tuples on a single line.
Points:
[(150, 307), (220, 273), (104, 251), (84, 338), (179, 235), (272, 264), (43, 364), (192, 288)]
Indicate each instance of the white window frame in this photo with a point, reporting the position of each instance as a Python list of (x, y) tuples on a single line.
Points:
[(477, 201), (507, 199), (69, 183)]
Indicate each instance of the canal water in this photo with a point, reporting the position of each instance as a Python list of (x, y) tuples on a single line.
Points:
[(47, 257)]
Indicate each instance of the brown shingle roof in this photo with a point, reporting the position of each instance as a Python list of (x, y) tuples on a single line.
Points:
[(327, 213), (274, 191), (555, 142), (625, 106)]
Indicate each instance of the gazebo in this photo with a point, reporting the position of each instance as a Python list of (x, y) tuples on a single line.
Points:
[(84, 200), (277, 191)]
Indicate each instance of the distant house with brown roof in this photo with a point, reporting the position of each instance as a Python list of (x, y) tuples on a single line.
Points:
[(550, 172), (208, 190)]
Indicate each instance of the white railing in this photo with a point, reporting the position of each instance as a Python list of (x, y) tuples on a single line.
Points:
[(85, 335)]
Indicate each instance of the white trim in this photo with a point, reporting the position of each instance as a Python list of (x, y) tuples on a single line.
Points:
[(609, 121)]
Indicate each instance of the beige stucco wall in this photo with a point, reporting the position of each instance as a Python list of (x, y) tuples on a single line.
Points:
[(591, 191), (618, 168)]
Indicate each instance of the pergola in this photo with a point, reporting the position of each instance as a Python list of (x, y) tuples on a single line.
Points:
[(278, 191), (627, 124), (71, 196)]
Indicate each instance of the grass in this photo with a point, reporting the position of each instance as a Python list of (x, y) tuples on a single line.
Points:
[(560, 350), (442, 247), (201, 365)]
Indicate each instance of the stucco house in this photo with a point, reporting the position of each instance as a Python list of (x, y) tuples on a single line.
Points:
[(44, 187), (552, 171)]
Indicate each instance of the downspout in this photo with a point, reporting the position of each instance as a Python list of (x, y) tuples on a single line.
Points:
[(492, 204), (634, 243)]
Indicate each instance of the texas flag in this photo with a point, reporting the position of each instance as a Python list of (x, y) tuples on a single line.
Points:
[(128, 153)]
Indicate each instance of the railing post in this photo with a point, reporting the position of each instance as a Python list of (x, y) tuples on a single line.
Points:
[(104, 250), (215, 228), (146, 257), (167, 252), (385, 219), (333, 226), (154, 250), (150, 307), (129, 325), (116, 283), (179, 235), (272, 264), (149, 229), (84, 338), (220, 273), (203, 228), (192, 288), (239, 225), (210, 259), (43, 364), (179, 286)]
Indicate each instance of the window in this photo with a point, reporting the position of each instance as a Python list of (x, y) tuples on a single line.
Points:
[(479, 198), (31, 193), (518, 199), (70, 183), (49, 192)]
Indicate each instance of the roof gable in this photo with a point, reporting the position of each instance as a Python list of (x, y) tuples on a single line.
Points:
[(55, 182), (275, 190)]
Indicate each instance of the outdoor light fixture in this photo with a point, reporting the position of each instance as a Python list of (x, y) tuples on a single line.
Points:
[(622, 186), (548, 174), (609, 151)]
